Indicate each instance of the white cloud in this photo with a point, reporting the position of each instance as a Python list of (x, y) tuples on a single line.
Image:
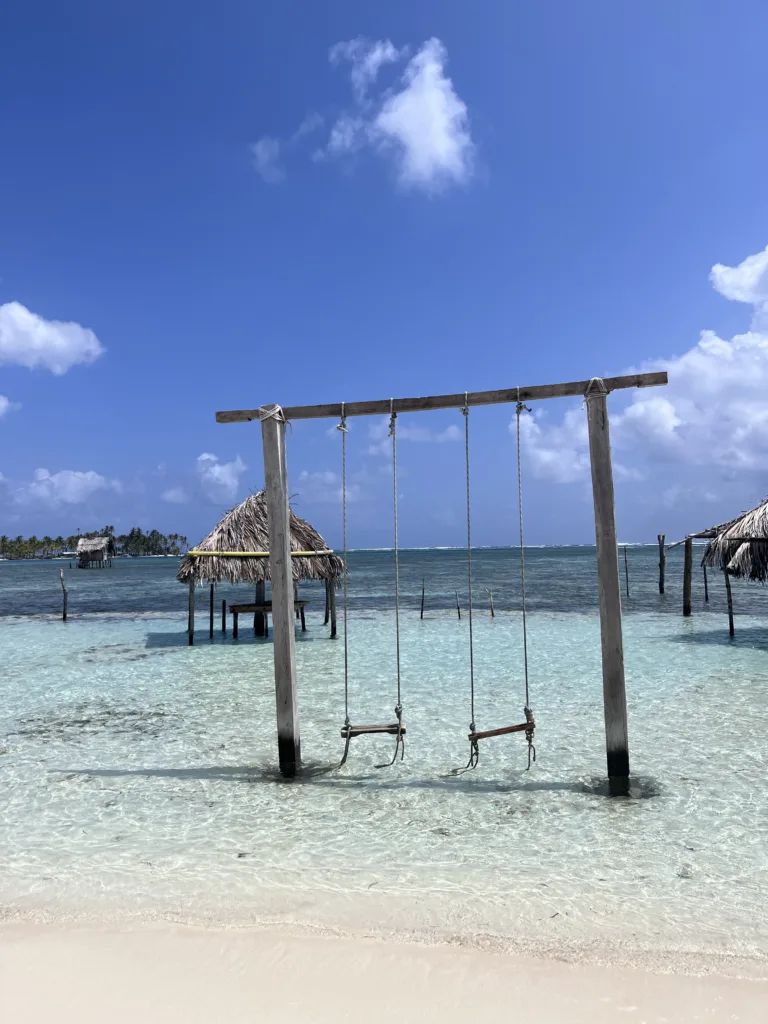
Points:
[(367, 59), (175, 496), (67, 487), (381, 444), (6, 406), (27, 339), (266, 159), (421, 124), (219, 480), (324, 485), (713, 414), (426, 124)]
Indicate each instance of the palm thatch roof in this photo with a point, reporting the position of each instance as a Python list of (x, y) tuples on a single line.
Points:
[(246, 528), (740, 547), (93, 545)]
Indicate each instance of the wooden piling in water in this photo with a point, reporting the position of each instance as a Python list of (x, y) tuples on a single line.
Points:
[(706, 586), (223, 616), (327, 602), (65, 596), (729, 596), (259, 618), (421, 614), (235, 623), (458, 608), (191, 612), (490, 598), (662, 561), (688, 577), (332, 604), (210, 623), (626, 570)]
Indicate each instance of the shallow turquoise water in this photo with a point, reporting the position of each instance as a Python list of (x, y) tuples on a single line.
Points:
[(137, 775)]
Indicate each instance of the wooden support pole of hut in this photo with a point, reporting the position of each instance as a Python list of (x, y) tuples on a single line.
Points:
[(65, 596), (608, 582), (235, 624), (626, 570), (421, 614), (662, 561), (332, 603), (295, 598), (281, 572), (729, 596), (260, 618), (210, 623), (191, 613), (688, 577), (706, 585), (223, 616), (328, 586)]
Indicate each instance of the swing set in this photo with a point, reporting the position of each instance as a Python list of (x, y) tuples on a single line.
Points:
[(273, 422)]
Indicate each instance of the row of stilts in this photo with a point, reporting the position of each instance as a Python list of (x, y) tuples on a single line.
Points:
[(688, 579)]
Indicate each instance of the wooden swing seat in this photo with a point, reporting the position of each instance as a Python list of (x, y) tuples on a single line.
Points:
[(350, 731), (504, 731)]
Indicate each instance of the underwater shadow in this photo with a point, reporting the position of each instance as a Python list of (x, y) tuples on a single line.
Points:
[(327, 776), (754, 637)]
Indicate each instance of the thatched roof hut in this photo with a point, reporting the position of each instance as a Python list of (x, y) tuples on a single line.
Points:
[(245, 528), (94, 550), (741, 547)]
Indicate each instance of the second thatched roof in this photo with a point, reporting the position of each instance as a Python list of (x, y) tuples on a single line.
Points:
[(92, 545), (741, 547), (246, 528)]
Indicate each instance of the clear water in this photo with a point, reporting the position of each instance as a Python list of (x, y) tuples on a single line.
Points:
[(137, 774)]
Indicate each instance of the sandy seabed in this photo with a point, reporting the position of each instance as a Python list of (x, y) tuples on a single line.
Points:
[(163, 973)]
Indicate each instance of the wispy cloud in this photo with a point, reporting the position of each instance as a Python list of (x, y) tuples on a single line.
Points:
[(219, 480), (325, 486), (6, 406), (67, 487), (381, 443), (175, 496), (420, 124)]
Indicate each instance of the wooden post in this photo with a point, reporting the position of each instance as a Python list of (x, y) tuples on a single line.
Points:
[(210, 624), (223, 616), (626, 570), (662, 561), (303, 619), (235, 622), (687, 576), (327, 602), (608, 583), (295, 598), (64, 595), (281, 571), (332, 596), (458, 607), (191, 613), (490, 598), (729, 595), (421, 616), (260, 619), (706, 586)]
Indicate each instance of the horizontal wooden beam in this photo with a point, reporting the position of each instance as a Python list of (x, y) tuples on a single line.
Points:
[(254, 554), (575, 389)]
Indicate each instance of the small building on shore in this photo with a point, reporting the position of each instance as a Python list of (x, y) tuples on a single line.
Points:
[(95, 552)]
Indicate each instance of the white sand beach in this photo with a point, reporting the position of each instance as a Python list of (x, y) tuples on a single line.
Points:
[(157, 974)]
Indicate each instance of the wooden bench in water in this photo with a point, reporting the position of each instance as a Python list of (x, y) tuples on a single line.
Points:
[(264, 609)]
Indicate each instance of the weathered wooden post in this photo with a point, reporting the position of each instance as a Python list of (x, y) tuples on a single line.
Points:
[(281, 572), (295, 598), (662, 561), (327, 602), (458, 606), (729, 595), (490, 598), (235, 624), (332, 602), (608, 583), (421, 615), (223, 616), (706, 586), (260, 618), (687, 576), (210, 622), (626, 570), (191, 613), (65, 596)]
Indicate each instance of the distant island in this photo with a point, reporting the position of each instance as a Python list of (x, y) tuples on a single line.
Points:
[(134, 543)]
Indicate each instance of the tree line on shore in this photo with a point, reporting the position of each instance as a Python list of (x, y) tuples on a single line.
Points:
[(136, 542)]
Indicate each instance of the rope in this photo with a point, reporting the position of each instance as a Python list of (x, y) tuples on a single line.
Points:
[(520, 408), (343, 428), (465, 411), (393, 435)]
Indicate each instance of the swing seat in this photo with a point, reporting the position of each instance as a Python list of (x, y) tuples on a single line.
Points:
[(350, 731), (527, 726)]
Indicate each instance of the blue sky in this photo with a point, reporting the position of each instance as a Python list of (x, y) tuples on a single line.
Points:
[(205, 209)]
